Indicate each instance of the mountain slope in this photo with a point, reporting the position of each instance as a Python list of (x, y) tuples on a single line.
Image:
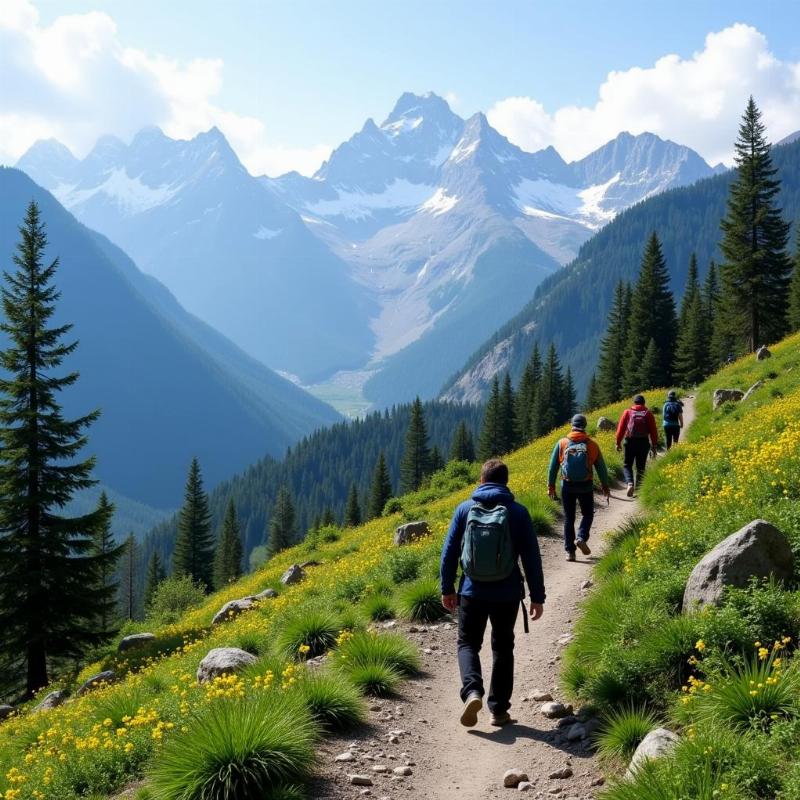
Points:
[(686, 219), (141, 361)]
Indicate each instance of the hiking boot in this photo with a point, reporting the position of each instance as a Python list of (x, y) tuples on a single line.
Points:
[(583, 547), (570, 556), (472, 705), (630, 490), (498, 720)]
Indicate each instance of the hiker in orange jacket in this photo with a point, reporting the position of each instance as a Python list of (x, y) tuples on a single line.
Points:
[(638, 431)]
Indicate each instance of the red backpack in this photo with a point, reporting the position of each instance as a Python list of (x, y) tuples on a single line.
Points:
[(637, 424)]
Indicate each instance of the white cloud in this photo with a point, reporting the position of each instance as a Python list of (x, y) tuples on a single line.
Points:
[(695, 101), (75, 80)]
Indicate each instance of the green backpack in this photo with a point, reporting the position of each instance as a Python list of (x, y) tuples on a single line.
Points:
[(487, 551)]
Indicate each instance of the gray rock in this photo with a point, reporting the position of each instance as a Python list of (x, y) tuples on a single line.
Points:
[(587, 584), (5, 711), (757, 385), (513, 777), (567, 722), (556, 710), (102, 678), (541, 695), (524, 786), (762, 354), (410, 532), (223, 661), (293, 575), (360, 780), (52, 700), (659, 742), (232, 609), (267, 594), (348, 756), (606, 424), (758, 550), (576, 732), (561, 774), (135, 641), (722, 396), (404, 771)]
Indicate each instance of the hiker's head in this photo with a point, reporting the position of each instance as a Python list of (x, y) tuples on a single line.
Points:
[(494, 471), (672, 396), (638, 400), (579, 423)]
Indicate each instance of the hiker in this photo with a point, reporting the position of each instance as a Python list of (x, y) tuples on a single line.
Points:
[(672, 415), (637, 427), (577, 455), (489, 535)]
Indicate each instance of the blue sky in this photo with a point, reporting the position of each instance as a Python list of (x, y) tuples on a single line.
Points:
[(295, 78)]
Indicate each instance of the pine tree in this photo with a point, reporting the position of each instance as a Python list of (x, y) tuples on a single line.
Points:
[(650, 368), (155, 574), (228, 555), (692, 289), (328, 518), (652, 316), (509, 431), (490, 439), (381, 489), (194, 545), (526, 396), (437, 459), (110, 553), (794, 286), (569, 400), (593, 397), (282, 526), (612, 348), (463, 447), (129, 578), (549, 409), (692, 350), (755, 272), (352, 511), (416, 463), (50, 592)]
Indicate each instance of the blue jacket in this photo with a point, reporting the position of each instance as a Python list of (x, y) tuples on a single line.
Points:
[(525, 543)]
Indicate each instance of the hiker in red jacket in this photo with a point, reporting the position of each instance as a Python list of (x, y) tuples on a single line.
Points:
[(638, 429)]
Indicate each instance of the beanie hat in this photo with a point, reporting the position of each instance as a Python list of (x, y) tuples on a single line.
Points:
[(672, 396), (639, 400), (579, 422)]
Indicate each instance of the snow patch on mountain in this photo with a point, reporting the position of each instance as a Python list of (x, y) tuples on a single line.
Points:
[(439, 203), (131, 195), (400, 194)]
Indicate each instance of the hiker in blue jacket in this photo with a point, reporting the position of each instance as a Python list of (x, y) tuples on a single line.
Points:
[(488, 536), (672, 415)]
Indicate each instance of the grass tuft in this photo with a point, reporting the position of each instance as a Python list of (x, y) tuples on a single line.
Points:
[(421, 601), (332, 700), (378, 680), (378, 608), (308, 627), (622, 732), (365, 649)]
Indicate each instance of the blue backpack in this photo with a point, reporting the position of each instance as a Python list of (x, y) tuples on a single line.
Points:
[(575, 466), (672, 411), (487, 550)]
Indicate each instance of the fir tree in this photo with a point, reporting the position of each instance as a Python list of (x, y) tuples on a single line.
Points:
[(328, 518), (593, 397), (526, 396), (463, 447), (282, 526), (509, 432), (228, 555), (155, 574), (51, 595), (129, 578), (381, 489), (612, 348), (794, 286), (437, 459), (755, 272), (569, 400), (352, 511), (693, 346), (652, 316), (490, 439), (194, 545), (110, 553), (549, 410), (650, 368), (416, 463), (692, 289)]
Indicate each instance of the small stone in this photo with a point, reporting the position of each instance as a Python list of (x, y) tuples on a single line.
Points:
[(223, 661), (587, 585), (428, 651), (413, 629), (293, 575), (345, 757), (52, 700), (567, 722), (513, 777), (763, 353), (366, 792), (524, 786), (134, 641), (564, 639), (360, 780), (392, 739), (404, 771), (380, 768), (376, 707), (577, 731), (561, 774), (598, 781), (411, 531), (267, 594), (232, 609), (392, 623), (555, 710), (101, 679), (540, 696)]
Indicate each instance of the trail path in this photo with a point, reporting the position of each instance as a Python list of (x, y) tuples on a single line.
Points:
[(450, 762)]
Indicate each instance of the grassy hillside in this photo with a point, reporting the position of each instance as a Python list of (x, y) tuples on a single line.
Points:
[(99, 742), (725, 678)]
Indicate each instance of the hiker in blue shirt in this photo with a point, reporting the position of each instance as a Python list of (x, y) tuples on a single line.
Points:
[(673, 419), (488, 536)]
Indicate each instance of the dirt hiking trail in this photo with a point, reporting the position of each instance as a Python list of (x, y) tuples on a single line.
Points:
[(421, 730)]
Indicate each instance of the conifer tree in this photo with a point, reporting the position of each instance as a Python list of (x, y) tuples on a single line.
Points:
[(692, 350), (794, 286), (612, 348), (129, 577), (437, 459), (110, 553), (509, 432), (155, 574), (650, 369), (593, 397), (549, 411), (282, 526), (570, 399), (194, 545), (328, 518), (692, 289), (228, 555), (463, 447), (490, 439), (756, 267), (416, 463), (652, 316), (50, 591), (526, 396), (352, 510), (381, 489)]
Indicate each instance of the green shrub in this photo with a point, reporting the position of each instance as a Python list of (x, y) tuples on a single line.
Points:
[(421, 601), (173, 597), (378, 608), (351, 589), (332, 699), (404, 564), (364, 649), (308, 627), (237, 749), (378, 680), (622, 732), (771, 611)]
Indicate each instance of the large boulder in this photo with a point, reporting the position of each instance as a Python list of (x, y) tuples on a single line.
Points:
[(411, 531), (762, 354), (135, 641), (722, 396), (232, 609), (759, 550), (658, 743), (267, 594), (52, 700), (96, 681), (606, 424), (223, 661), (293, 575), (5, 711)]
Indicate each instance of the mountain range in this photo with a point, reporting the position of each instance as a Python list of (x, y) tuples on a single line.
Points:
[(412, 244)]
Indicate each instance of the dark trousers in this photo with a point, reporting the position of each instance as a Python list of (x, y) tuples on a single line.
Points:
[(635, 451), (570, 500), (672, 433), (473, 615)]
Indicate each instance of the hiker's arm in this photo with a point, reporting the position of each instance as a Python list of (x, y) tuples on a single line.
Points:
[(528, 548), (553, 468), (680, 419), (621, 427), (651, 421), (451, 552), (602, 470)]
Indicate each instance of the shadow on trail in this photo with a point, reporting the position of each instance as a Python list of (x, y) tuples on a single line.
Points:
[(516, 731)]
